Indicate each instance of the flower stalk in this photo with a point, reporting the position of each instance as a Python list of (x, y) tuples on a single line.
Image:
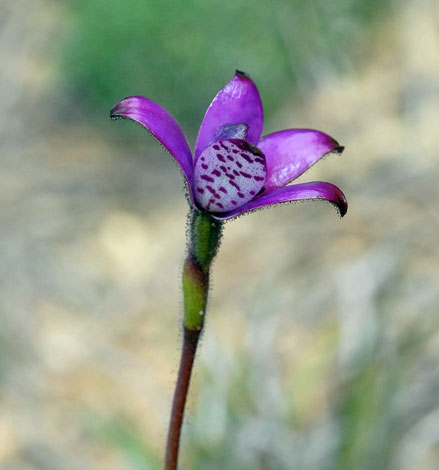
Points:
[(233, 170), (204, 237)]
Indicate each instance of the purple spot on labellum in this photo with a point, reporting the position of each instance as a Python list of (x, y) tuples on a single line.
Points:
[(216, 173), (230, 158), (200, 190), (239, 164), (204, 166), (207, 178), (235, 173), (240, 195), (234, 184), (223, 189), (220, 158), (244, 155), (216, 147), (233, 202), (223, 168), (246, 175), (235, 150), (260, 160), (258, 178), (211, 190)]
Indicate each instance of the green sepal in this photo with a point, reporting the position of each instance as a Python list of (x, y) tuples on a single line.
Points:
[(203, 241), (204, 238)]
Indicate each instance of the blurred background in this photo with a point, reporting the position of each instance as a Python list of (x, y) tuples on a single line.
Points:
[(321, 344)]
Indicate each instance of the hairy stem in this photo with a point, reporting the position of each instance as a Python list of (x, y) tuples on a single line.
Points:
[(203, 242), (190, 343)]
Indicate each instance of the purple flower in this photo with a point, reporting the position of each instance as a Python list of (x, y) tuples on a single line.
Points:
[(233, 170)]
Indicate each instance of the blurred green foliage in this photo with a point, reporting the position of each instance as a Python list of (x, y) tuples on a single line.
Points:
[(180, 53)]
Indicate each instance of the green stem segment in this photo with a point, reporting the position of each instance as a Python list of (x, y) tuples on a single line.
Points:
[(203, 242)]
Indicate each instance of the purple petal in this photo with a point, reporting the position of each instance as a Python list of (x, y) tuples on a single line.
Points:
[(162, 126), (238, 102), (295, 192), (291, 152), (228, 174)]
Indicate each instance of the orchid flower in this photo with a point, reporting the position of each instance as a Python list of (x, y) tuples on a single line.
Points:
[(232, 171)]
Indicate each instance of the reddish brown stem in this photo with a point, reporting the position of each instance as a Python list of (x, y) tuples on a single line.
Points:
[(190, 342)]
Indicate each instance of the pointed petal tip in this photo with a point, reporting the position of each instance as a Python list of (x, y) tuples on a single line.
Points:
[(120, 109), (342, 207), (334, 146), (337, 198), (334, 195), (115, 112), (242, 74)]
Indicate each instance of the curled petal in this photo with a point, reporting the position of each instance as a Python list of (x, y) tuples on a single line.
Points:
[(238, 102), (162, 126), (291, 152), (295, 192)]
